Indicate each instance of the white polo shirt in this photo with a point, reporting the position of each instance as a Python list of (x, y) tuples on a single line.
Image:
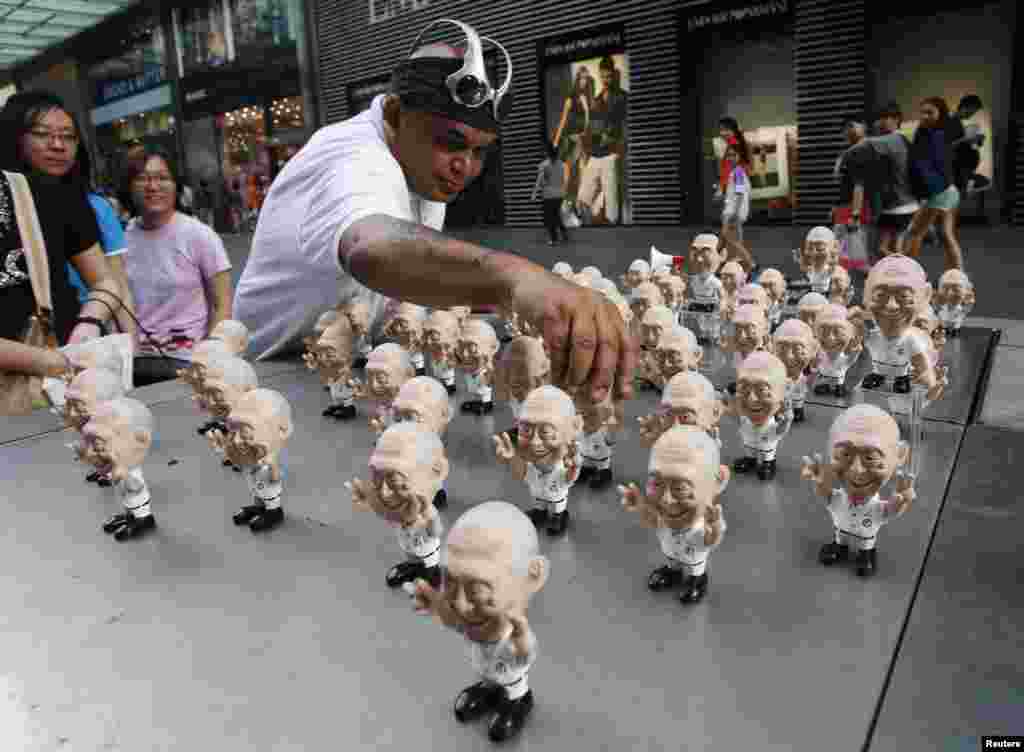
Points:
[(346, 172)]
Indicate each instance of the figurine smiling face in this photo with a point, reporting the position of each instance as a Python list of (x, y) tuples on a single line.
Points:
[(865, 449), (795, 346), (672, 288), (677, 351), (704, 255), (839, 288), (548, 425), (774, 284), (750, 330), (423, 400), (684, 477), (689, 400), (387, 368), (492, 568), (524, 366), (810, 306), (477, 345), (733, 277), (332, 353), (638, 273), (440, 333), (816, 251), (655, 323), (643, 297), (258, 427), (896, 289), (407, 468), (953, 287), (227, 382), (833, 329), (407, 326), (760, 387)]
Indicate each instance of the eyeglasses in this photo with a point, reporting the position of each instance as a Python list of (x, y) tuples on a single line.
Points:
[(62, 139), (146, 178)]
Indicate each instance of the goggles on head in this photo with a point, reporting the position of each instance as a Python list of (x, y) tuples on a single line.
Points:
[(469, 86)]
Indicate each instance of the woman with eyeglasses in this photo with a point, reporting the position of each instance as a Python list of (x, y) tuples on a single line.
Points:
[(177, 267), (38, 137)]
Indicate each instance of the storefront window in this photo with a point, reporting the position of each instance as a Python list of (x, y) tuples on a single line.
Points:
[(202, 38), (260, 26), (287, 114)]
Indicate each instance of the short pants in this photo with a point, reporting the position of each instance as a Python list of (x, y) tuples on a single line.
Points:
[(948, 200)]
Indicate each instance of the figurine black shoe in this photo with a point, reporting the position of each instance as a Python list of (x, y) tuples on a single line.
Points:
[(245, 515), (798, 415), (538, 517), (731, 388), (450, 388), (92, 477), (441, 499), (832, 552), (408, 571), (104, 481), (341, 412), (901, 385), (227, 463), (135, 527), (474, 701), (839, 390), (865, 562), (268, 519), (476, 407), (873, 381), (115, 522), (601, 479), (585, 473), (821, 389), (766, 470), (207, 427), (359, 362), (664, 578), (557, 523), (421, 371), (510, 717), (744, 464), (694, 589)]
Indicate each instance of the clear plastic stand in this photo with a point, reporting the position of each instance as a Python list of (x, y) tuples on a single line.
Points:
[(908, 410)]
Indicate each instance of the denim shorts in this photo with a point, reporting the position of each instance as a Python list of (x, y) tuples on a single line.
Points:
[(947, 200)]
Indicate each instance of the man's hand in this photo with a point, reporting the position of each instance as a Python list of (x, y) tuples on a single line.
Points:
[(503, 448), (428, 601), (586, 338)]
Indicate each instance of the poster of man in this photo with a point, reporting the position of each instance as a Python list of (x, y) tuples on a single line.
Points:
[(585, 78)]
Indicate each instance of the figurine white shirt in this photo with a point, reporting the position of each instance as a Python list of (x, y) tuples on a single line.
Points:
[(686, 546), (856, 525), (596, 450), (262, 485), (952, 317), (820, 281), (835, 366), (341, 393), (796, 391), (497, 663), (133, 490), (417, 360), (422, 542), (476, 386), (705, 288), (761, 441), (445, 375), (549, 485), (891, 357)]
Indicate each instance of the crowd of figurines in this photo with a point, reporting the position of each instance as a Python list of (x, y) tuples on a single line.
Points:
[(781, 338)]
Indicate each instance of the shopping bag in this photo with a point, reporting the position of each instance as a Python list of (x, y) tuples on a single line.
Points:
[(853, 248)]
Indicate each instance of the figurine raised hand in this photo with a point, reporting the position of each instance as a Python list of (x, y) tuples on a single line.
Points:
[(634, 501)]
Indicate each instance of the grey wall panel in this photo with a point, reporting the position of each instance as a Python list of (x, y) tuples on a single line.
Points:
[(352, 49)]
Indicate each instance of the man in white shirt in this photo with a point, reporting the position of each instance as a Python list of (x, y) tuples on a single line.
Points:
[(363, 202)]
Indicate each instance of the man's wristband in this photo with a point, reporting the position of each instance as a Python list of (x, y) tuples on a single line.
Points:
[(92, 320)]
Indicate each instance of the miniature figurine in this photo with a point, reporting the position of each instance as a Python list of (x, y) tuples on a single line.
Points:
[(954, 300), (492, 566), (546, 454), (673, 291), (657, 321), (407, 469), (755, 295), (331, 357), (597, 439), (864, 453), (896, 289), (705, 289), (406, 326), (592, 273), (795, 345), (677, 351), (116, 441), (760, 404), (840, 291), (440, 336), (205, 353), (232, 333), (639, 272), (522, 367), (641, 299), (387, 368), (733, 277), (840, 349), (226, 382), (583, 280), (562, 269), (775, 285), (750, 333), (258, 427), (424, 400), (817, 257), (474, 355), (86, 391), (688, 399), (811, 305), (358, 313), (685, 479)]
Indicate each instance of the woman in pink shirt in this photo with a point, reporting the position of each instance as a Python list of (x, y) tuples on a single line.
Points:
[(180, 275)]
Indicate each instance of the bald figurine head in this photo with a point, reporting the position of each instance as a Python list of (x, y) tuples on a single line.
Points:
[(953, 288), (406, 326), (833, 329), (562, 269), (232, 333), (810, 306), (86, 391), (227, 381), (493, 567), (896, 288), (118, 436), (202, 355), (704, 254), (440, 335), (685, 477), (865, 449), (643, 297), (423, 400), (817, 250), (657, 321), (358, 312), (733, 277), (689, 399), (407, 469), (672, 287), (796, 346), (760, 387), (331, 354), (388, 366), (639, 271), (774, 284), (753, 294), (477, 346), (548, 426), (522, 367), (259, 426), (750, 329), (839, 287), (677, 351)]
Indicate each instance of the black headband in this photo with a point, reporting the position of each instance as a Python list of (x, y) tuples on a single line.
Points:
[(420, 85)]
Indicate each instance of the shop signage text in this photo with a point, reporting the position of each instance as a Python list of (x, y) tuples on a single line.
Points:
[(738, 15), (385, 10), (120, 88), (580, 45)]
